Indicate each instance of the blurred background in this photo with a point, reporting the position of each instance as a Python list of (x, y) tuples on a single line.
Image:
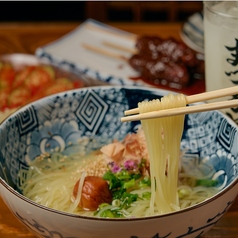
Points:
[(136, 11)]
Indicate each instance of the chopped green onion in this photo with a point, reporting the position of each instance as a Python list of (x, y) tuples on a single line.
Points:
[(183, 193), (145, 182), (129, 184), (116, 203), (107, 214), (146, 195), (206, 182)]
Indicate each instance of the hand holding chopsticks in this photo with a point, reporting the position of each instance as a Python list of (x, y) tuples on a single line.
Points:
[(191, 109)]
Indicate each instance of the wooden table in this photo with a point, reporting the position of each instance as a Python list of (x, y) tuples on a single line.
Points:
[(25, 38)]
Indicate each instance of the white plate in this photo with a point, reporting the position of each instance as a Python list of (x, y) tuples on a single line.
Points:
[(192, 32), (69, 52)]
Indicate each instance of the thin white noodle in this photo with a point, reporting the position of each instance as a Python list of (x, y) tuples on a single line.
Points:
[(163, 137), (50, 181), (79, 194)]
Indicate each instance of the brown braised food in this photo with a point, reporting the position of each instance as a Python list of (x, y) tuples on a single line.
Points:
[(167, 62)]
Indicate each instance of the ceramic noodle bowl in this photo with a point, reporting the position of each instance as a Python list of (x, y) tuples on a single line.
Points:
[(62, 119)]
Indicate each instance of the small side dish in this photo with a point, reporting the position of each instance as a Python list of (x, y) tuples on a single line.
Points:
[(24, 79), (166, 62)]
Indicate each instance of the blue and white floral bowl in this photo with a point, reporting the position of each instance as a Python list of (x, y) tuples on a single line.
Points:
[(60, 120)]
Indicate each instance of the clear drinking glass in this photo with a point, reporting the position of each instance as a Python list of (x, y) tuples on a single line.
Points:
[(221, 47)]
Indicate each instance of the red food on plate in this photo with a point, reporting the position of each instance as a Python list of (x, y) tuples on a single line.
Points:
[(22, 75), (62, 84), (39, 78), (24, 84), (4, 93), (7, 75), (18, 97)]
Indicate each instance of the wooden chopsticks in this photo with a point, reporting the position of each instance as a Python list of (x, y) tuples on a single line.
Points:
[(104, 52), (191, 109), (119, 47)]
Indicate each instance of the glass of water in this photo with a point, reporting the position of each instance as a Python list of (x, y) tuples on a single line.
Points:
[(221, 47)]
